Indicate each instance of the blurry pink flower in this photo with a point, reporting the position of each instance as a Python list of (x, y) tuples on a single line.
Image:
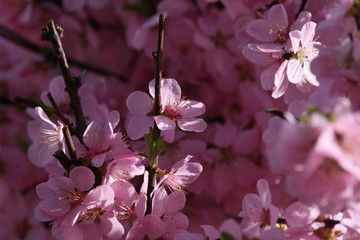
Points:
[(272, 28), (47, 137), (181, 174), (79, 5)]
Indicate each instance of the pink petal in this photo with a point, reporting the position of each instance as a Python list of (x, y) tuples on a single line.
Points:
[(280, 73), (111, 226), (192, 108), (192, 124), (295, 37), (295, 71), (164, 123), (264, 192), (55, 208), (139, 126), (307, 33), (139, 103), (124, 192), (98, 160), (253, 54), (60, 183), (303, 18), (159, 202), (278, 17), (42, 215), (211, 231), (259, 29), (191, 171), (309, 76), (280, 90), (83, 178), (175, 202), (114, 118), (267, 78), (170, 92), (154, 227), (45, 192)]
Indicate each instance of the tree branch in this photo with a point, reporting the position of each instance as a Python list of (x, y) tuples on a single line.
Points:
[(53, 34), (302, 7), (157, 110)]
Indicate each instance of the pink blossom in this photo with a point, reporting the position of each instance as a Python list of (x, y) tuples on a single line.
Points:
[(93, 218), (47, 138), (181, 174), (102, 142), (174, 109), (258, 213), (60, 194), (305, 50)]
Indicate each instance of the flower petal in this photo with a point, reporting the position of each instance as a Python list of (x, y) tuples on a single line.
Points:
[(139, 103), (192, 124), (259, 29), (82, 177), (295, 71)]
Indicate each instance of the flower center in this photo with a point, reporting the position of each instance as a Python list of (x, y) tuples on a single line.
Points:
[(90, 216), (50, 137)]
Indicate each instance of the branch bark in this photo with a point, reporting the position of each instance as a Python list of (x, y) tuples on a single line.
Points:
[(53, 34), (153, 163)]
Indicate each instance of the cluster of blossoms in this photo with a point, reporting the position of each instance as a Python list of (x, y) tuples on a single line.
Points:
[(274, 156)]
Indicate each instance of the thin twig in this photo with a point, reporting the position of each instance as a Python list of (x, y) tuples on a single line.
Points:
[(20, 41), (302, 7), (52, 34), (157, 55), (57, 110), (70, 144), (157, 108)]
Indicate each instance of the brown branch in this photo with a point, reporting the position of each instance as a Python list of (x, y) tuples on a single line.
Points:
[(20, 41), (157, 110), (63, 159), (57, 110), (302, 7), (157, 55), (53, 34)]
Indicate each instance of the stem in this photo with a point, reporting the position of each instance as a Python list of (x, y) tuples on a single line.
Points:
[(157, 110), (157, 55), (20, 41), (302, 7), (57, 110), (52, 34), (63, 159)]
